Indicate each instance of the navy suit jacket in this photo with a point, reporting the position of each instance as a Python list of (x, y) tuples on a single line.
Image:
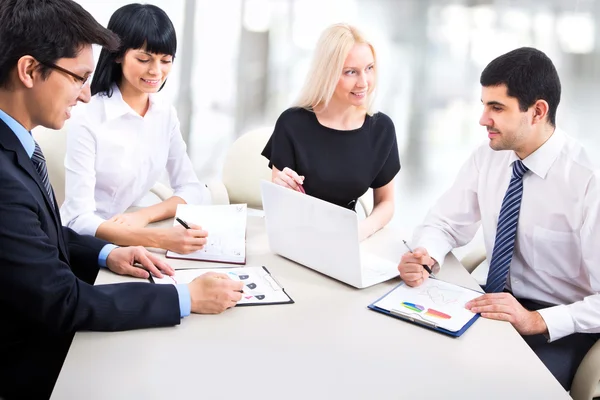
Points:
[(47, 273)]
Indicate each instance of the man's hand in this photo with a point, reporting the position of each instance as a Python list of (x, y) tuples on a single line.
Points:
[(183, 241), (504, 307), (122, 259), (136, 219), (411, 266), (213, 293)]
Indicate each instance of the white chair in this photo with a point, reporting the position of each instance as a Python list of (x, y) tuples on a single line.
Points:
[(586, 383), (245, 167)]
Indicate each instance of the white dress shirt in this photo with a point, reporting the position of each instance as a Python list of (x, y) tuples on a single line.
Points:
[(114, 156), (556, 258)]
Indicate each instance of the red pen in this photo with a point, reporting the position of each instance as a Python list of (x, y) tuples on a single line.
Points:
[(301, 189)]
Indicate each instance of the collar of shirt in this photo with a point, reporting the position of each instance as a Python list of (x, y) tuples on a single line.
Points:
[(23, 134), (116, 107), (540, 161)]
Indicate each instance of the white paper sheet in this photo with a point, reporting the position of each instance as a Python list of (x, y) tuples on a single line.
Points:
[(226, 227)]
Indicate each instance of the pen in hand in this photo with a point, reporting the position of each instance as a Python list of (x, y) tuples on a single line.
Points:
[(424, 266), (182, 223), (218, 277)]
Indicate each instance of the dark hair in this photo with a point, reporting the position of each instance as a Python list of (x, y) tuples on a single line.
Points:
[(46, 30), (529, 76), (138, 26)]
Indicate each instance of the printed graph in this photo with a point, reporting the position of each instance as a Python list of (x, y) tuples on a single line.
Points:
[(430, 311), (221, 246), (440, 296)]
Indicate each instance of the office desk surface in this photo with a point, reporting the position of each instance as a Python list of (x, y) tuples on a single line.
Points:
[(327, 345)]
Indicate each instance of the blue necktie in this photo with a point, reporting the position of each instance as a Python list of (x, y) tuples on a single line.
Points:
[(40, 166), (504, 245)]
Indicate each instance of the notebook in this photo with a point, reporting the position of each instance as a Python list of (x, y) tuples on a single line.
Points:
[(435, 304), (226, 227), (260, 287)]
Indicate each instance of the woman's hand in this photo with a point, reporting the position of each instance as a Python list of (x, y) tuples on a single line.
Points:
[(288, 178), (183, 241)]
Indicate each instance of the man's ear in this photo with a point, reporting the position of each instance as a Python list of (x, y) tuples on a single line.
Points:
[(540, 111), (26, 67)]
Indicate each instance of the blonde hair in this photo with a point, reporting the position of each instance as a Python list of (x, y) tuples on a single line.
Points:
[(328, 62)]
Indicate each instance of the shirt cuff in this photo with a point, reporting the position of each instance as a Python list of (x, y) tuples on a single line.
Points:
[(436, 251), (559, 321), (104, 254), (86, 224), (185, 300)]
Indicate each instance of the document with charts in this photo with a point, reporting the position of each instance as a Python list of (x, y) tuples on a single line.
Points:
[(226, 227), (435, 304), (260, 287)]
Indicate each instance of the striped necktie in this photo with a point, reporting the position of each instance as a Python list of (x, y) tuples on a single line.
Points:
[(40, 166), (507, 231)]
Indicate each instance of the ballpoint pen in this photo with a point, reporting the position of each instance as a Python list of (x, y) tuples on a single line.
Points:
[(424, 266), (182, 223)]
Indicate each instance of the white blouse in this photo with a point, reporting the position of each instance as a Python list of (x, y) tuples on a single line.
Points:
[(114, 156)]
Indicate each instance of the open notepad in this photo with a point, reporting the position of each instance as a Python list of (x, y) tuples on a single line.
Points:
[(226, 227), (260, 288), (435, 304)]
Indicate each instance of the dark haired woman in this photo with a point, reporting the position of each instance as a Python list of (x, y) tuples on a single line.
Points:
[(120, 143)]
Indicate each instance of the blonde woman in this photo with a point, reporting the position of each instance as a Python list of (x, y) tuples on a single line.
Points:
[(331, 144)]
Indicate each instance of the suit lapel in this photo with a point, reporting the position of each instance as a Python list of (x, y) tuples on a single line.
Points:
[(10, 142)]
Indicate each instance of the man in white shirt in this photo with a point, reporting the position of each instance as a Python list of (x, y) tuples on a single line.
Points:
[(536, 195)]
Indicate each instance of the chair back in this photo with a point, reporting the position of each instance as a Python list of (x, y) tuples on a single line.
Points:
[(245, 167)]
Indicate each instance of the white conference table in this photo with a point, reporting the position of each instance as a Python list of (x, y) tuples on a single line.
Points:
[(327, 345)]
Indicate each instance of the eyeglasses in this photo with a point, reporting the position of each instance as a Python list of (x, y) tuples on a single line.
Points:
[(81, 79)]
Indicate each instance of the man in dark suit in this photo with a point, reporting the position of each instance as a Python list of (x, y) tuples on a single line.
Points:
[(47, 271)]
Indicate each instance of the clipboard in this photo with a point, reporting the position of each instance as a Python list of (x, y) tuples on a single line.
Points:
[(260, 287), (431, 305)]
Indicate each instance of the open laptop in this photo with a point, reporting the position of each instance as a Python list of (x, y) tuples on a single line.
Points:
[(321, 236)]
